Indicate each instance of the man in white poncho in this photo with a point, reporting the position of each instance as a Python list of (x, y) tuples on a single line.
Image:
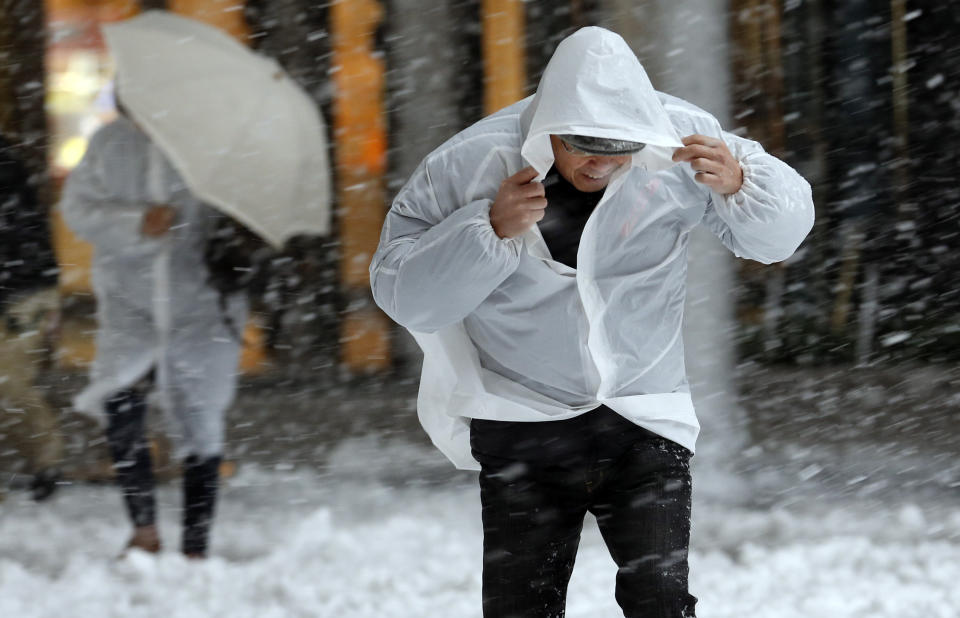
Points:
[(162, 327), (539, 259)]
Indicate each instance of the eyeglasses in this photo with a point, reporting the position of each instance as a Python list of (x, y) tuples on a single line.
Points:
[(574, 150)]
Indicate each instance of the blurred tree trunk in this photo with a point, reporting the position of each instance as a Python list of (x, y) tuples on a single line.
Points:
[(23, 119), (758, 92), (359, 128), (685, 51), (920, 289), (428, 48), (504, 53), (806, 324), (861, 142), (304, 299)]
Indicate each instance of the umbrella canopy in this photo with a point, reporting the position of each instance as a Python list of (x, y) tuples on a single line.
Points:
[(244, 136)]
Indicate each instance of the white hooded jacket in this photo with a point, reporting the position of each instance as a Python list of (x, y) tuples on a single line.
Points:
[(510, 334)]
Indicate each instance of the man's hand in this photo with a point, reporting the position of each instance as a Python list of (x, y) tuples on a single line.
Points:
[(157, 220), (520, 203), (713, 162)]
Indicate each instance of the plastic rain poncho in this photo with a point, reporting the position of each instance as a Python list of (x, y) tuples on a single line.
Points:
[(154, 305), (508, 333)]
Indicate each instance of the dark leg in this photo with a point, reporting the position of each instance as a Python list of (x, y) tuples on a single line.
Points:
[(126, 436), (534, 499), (529, 545), (201, 477), (643, 511)]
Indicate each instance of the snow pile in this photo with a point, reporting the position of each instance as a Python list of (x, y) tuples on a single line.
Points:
[(299, 544)]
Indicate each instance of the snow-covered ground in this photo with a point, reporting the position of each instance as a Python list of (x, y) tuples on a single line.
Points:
[(355, 541)]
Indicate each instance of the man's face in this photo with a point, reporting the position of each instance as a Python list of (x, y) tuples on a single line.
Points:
[(586, 172)]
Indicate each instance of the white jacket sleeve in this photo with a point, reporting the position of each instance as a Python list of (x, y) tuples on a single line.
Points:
[(434, 267), (91, 209), (771, 214)]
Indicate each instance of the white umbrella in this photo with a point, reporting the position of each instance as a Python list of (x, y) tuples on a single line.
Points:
[(243, 135)]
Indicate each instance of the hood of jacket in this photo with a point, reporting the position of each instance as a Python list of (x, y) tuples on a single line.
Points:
[(594, 85)]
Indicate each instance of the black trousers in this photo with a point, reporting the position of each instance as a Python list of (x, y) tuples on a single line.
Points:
[(129, 447), (132, 464), (539, 480)]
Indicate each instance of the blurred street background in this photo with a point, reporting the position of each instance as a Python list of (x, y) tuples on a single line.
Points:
[(831, 379), (854, 338)]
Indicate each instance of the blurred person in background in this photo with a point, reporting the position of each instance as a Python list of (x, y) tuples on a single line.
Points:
[(164, 329), (539, 259), (29, 315)]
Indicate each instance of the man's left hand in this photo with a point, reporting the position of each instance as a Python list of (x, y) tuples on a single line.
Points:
[(713, 162)]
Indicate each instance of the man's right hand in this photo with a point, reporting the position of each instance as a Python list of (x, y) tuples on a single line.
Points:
[(157, 220), (519, 204)]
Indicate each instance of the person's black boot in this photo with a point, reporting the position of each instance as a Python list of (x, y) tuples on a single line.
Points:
[(201, 477)]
